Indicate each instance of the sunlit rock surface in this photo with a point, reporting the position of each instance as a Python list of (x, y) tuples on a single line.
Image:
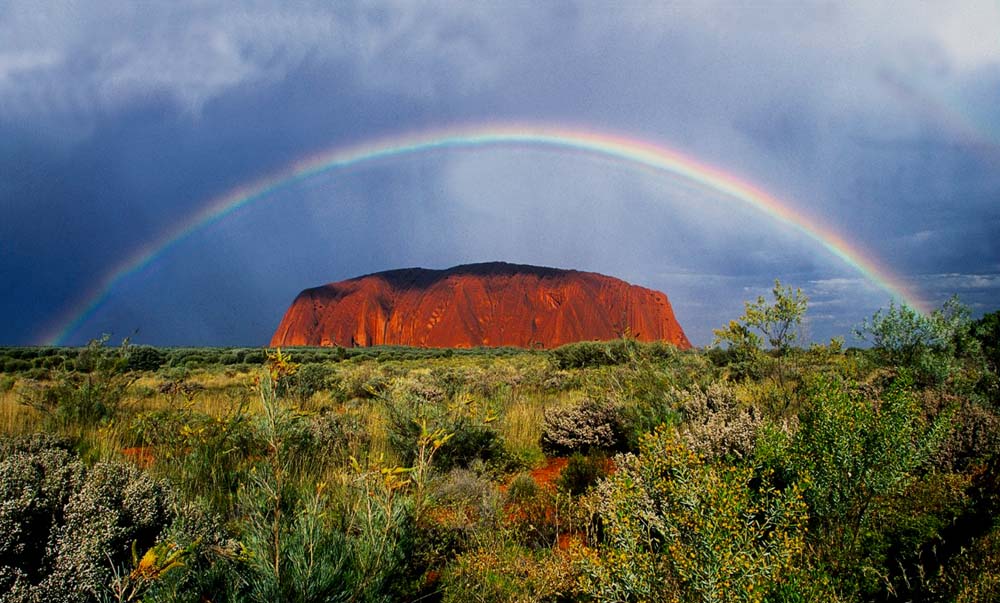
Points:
[(492, 304)]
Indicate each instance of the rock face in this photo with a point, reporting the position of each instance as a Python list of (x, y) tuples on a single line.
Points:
[(493, 304)]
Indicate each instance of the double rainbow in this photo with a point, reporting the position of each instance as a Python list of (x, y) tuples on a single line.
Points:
[(629, 150)]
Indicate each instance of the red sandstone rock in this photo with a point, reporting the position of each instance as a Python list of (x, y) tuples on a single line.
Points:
[(494, 304)]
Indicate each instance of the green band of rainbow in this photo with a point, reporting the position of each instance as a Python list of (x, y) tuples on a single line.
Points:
[(630, 150)]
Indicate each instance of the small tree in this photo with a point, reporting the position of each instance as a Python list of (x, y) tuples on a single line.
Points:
[(904, 335), (777, 322)]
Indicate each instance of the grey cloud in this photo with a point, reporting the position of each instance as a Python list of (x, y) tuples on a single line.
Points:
[(107, 55), (873, 118)]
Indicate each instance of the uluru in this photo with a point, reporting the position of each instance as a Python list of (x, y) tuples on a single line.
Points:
[(488, 304)]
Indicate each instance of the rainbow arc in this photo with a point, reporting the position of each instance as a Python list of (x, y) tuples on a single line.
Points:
[(628, 150)]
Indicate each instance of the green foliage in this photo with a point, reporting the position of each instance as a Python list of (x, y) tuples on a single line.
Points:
[(778, 322), (16, 365), (468, 421), (398, 486), (676, 527), (905, 337), (588, 354), (854, 454), (581, 473), (206, 456), (310, 379), (592, 353), (146, 358), (89, 395), (332, 438), (509, 573), (471, 440), (986, 331), (302, 543), (522, 488)]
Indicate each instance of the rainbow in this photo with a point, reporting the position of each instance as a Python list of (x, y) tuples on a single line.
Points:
[(630, 150)]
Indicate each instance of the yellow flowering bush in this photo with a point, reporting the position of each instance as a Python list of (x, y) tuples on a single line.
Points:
[(674, 527)]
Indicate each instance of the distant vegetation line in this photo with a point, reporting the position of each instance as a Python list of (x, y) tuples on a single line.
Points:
[(37, 360)]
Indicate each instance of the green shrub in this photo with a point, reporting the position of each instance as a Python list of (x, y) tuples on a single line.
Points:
[(928, 344), (471, 441), (16, 366), (586, 354), (334, 437), (466, 420), (310, 379), (207, 457), (675, 527), (84, 399), (366, 382), (582, 472), (146, 358), (51, 362), (522, 488), (210, 555), (986, 331), (853, 454), (306, 542), (743, 362), (311, 544), (255, 357)]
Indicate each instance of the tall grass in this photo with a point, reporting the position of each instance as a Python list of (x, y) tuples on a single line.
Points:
[(523, 420), (16, 418)]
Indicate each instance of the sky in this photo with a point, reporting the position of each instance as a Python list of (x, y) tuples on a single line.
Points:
[(121, 122)]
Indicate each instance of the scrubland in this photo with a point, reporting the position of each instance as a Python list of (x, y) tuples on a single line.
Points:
[(602, 471)]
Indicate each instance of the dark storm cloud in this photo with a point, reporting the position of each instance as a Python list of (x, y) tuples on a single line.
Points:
[(118, 121)]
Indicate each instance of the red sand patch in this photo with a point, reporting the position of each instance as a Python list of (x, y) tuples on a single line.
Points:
[(547, 473), (142, 455)]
